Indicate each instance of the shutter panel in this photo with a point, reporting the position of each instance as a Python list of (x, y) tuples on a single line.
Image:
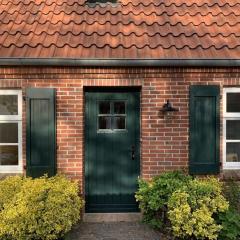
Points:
[(204, 130), (41, 132)]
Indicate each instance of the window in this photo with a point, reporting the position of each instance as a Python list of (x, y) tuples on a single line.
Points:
[(10, 131), (231, 128), (111, 115), (94, 2)]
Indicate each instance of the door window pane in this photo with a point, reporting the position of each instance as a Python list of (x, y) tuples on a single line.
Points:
[(119, 122), (104, 107), (8, 133), (119, 107), (8, 155), (104, 122), (233, 152), (233, 102), (8, 105)]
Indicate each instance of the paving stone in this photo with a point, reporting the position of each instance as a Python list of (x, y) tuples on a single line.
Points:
[(112, 231)]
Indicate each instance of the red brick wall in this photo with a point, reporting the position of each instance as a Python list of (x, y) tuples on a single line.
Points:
[(164, 142)]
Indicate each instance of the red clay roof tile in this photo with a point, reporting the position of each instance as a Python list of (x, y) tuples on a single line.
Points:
[(129, 29)]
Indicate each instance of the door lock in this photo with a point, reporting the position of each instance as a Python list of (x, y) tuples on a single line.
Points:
[(133, 152)]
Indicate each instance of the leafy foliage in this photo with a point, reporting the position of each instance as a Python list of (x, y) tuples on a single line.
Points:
[(153, 196), (192, 209), (9, 187), (43, 208), (231, 191), (230, 220)]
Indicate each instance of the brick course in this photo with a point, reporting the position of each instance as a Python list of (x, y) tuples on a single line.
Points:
[(164, 142)]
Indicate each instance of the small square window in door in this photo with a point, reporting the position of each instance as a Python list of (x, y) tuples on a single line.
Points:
[(119, 123), (104, 123), (119, 119), (119, 107), (104, 107), (111, 115)]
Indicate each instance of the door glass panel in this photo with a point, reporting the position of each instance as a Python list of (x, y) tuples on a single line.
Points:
[(233, 152), (8, 155), (119, 122), (119, 107), (104, 107), (233, 102), (233, 129), (8, 132), (104, 122), (8, 105)]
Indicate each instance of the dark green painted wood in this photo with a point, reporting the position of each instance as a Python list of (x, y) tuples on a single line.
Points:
[(41, 132), (110, 173), (204, 130)]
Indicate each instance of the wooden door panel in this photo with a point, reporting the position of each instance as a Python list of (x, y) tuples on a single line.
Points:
[(110, 173)]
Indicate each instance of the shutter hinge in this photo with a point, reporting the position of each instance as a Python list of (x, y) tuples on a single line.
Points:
[(25, 98)]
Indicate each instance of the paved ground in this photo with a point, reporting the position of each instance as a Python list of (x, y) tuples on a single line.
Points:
[(113, 231)]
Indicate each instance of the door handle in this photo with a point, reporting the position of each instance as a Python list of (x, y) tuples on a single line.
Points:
[(133, 152)]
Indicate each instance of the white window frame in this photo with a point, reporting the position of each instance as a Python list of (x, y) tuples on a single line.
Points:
[(14, 119), (229, 116)]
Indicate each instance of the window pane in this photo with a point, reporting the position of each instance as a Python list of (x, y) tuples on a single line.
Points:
[(8, 133), (104, 122), (104, 107), (233, 152), (119, 107), (233, 129), (8, 105), (8, 155), (119, 122), (233, 102)]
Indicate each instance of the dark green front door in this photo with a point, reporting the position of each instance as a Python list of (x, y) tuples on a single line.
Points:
[(112, 153)]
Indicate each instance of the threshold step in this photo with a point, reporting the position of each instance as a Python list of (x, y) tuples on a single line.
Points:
[(112, 217)]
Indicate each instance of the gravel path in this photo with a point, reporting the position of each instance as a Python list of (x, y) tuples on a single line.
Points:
[(113, 231)]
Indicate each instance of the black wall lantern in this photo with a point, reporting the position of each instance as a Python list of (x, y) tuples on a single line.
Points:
[(168, 109)]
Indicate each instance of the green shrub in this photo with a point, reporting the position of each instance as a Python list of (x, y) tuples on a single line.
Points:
[(43, 208), (9, 187), (153, 196), (192, 209), (230, 220), (231, 191)]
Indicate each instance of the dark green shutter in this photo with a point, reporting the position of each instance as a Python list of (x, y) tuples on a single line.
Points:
[(41, 132), (204, 130)]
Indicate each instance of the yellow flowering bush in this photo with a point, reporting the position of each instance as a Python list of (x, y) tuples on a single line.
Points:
[(43, 208), (153, 196), (9, 187), (191, 209)]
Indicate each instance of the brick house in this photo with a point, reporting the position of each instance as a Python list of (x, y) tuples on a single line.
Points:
[(83, 85)]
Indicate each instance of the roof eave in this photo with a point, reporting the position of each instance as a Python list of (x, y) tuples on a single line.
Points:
[(119, 62)]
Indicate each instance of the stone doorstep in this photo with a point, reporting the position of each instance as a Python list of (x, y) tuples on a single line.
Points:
[(112, 217)]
